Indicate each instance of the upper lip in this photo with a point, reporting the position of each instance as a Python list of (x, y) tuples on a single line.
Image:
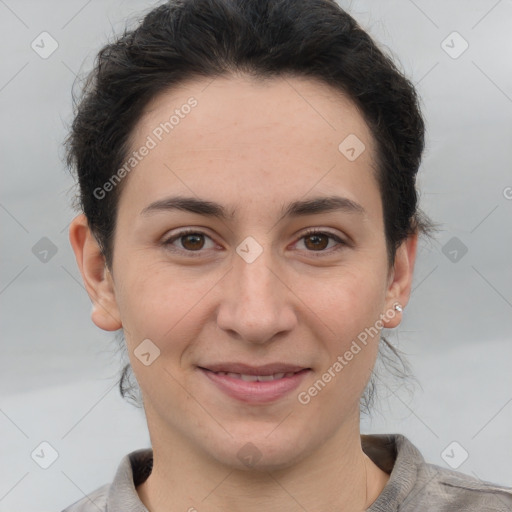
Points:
[(245, 369)]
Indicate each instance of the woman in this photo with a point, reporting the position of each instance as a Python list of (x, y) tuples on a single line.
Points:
[(250, 221)]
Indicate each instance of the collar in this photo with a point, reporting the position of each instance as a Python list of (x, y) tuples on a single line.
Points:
[(393, 453)]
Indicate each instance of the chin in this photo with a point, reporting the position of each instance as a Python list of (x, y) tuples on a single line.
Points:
[(260, 453)]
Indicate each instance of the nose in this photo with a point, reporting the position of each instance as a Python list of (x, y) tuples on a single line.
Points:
[(256, 304)]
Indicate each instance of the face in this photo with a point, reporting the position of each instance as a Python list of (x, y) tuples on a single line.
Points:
[(248, 242)]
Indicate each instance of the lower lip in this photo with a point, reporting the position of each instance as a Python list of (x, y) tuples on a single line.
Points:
[(256, 392)]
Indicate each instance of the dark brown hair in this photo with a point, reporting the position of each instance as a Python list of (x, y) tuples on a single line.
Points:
[(183, 39)]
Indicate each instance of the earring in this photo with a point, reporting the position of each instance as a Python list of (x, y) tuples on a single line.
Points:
[(398, 308)]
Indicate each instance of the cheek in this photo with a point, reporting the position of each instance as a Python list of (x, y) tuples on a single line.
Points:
[(350, 298), (162, 303), (350, 311)]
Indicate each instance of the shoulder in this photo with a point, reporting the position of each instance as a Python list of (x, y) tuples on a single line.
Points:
[(95, 501), (451, 488), (417, 486), (121, 494)]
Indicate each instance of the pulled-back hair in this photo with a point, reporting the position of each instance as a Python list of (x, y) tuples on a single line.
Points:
[(183, 39)]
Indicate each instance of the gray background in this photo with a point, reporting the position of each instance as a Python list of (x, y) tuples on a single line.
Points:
[(58, 371)]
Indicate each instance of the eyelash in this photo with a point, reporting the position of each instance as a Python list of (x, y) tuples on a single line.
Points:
[(168, 243)]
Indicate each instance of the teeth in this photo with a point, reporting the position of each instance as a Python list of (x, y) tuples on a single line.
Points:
[(263, 378), (249, 378), (255, 378)]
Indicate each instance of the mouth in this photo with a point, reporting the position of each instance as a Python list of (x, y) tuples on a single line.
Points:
[(256, 378), (262, 370), (251, 384)]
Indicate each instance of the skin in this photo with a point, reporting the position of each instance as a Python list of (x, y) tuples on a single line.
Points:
[(252, 147)]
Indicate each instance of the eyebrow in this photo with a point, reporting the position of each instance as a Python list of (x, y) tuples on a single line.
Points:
[(313, 206)]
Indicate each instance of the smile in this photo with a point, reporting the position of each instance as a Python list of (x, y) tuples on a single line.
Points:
[(253, 388), (254, 378)]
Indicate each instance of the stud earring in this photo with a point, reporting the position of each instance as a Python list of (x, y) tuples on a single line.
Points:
[(398, 308)]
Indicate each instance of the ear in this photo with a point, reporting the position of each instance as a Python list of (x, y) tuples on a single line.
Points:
[(97, 279), (400, 281)]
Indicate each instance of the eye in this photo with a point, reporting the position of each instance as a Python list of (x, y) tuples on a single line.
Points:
[(193, 241), (317, 241), (190, 241)]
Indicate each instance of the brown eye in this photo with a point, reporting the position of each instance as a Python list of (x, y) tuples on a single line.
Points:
[(316, 241), (189, 242), (193, 241)]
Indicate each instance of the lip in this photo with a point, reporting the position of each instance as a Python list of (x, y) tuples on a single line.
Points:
[(256, 392), (266, 369)]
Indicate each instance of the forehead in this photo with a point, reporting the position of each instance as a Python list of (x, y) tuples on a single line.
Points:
[(240, 137), (264, 107)]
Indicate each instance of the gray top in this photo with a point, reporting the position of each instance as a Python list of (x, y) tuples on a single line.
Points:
[(414, 485)]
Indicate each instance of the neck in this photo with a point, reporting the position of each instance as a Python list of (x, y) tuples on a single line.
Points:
[(337, 476)]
